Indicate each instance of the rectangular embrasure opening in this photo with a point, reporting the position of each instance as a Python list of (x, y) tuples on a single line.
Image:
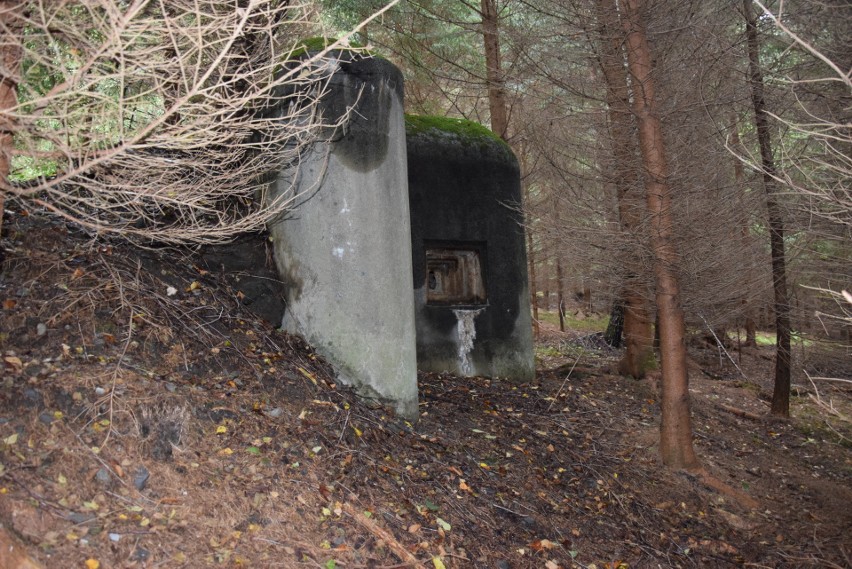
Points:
[(455, 274)]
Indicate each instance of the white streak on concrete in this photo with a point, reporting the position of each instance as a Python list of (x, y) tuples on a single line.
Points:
[(467, 334)]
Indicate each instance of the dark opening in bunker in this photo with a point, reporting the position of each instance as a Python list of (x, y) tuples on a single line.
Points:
[(455, 274)]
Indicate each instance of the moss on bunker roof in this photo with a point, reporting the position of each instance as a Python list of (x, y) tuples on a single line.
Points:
[(466, 130), (319, 43)]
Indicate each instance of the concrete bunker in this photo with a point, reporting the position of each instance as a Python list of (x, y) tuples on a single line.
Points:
[(344, 251), (385, 199), (468, 256)]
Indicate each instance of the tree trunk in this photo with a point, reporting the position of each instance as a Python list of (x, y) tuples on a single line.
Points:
[(676, 425), (10, 61), (615, 328), (751, 332), (533, 295), (781, 393), (494, 70), (560, 294), (739, 176), (638, 356)]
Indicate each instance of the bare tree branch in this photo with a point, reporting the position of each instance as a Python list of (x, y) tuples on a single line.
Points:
[(161, 120)]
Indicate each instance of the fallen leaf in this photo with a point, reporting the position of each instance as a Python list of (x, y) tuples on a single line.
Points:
[(414, 528), (443, 525), (9, 303), (77, 274), (92, 563), (438, 563), (309, 375), (551, 565), (542, 544), (14, 362)]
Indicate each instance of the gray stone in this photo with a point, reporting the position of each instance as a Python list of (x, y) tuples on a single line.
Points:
[(33, 370), (80, 517), (41, 329), (33, 398), (140, 554), (140, 478), (345, 250), (103, 477)]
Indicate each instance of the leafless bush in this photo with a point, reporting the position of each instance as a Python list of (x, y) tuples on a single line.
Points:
[(157, 120)]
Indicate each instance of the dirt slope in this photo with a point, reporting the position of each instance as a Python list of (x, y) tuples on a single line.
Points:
[(149, 426)]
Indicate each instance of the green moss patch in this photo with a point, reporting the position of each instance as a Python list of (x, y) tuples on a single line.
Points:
[(320, 43), (464, 129)]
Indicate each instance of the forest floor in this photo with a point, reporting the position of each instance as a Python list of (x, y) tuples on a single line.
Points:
[(147, 419)]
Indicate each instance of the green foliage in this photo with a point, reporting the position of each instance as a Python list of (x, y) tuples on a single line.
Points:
[(547, 351), (149, 120), (82, 102), (769, 339), (347, 14), (589, 324)]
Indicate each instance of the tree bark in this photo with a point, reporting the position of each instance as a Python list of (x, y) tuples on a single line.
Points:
[(10, 62), (751, 332), (560, 294), (533, 295), (676, 424), (739, 176), (781, 393), (615, 328), (494, 70), (638, 356)]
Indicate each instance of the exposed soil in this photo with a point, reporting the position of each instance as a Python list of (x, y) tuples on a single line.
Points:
[(143, 426)]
